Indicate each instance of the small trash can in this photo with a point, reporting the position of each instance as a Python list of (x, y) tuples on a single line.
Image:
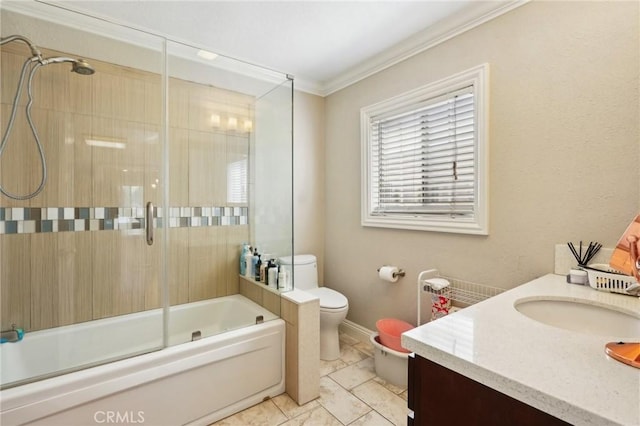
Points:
[(390, 357), (390, 365), (390, 330)]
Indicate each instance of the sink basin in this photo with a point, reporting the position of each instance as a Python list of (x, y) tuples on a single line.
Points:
[(583, 317)]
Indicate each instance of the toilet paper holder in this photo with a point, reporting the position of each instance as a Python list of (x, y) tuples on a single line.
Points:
[(400, 273)]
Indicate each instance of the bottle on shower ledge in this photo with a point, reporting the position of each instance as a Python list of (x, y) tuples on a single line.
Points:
[(263, 269), (248, 259), (243, 262), (256, 265), (283, 279), (266, 272), (254, 261), (272, 272)]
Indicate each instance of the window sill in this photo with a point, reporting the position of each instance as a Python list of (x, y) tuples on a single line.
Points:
[(457, 226)]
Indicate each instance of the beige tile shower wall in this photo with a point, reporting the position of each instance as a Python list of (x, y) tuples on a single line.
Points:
[(205, 269), (114, 104), (53, 279), (61, 279), (15, 273), (204, 261)]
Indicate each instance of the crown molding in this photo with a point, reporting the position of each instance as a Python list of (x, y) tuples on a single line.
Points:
[(477, 14), (469, 18), (313, 87)]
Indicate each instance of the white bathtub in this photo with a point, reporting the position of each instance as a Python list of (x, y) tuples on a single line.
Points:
[(198, 382)]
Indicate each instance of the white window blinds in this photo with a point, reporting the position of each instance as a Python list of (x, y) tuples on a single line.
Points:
[(237, 182), (425, 162), (423, 157)]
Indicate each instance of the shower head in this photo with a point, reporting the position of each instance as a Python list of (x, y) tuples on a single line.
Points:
[(79, 66), (82, 67)]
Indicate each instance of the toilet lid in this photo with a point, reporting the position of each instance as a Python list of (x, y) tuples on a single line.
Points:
[(330, 299)]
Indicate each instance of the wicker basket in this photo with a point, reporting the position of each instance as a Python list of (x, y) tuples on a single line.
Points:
[(611, 282)]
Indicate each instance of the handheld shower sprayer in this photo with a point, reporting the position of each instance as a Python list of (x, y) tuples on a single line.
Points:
[(79, 66)]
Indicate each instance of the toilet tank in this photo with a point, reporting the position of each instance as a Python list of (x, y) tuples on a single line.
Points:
[(305, 270)]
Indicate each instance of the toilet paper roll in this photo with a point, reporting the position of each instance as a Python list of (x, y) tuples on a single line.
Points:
[(388, 273)]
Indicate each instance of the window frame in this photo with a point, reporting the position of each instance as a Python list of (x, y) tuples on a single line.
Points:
[(478, 77)]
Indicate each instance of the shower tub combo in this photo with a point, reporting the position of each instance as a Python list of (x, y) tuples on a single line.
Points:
[(197, 382), (120, 362)]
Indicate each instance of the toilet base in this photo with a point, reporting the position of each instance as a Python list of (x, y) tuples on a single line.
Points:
[(329, 344), (330, 320)]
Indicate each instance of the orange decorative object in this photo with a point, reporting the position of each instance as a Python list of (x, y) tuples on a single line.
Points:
[(633, 255), (625, 257), (626, 352)]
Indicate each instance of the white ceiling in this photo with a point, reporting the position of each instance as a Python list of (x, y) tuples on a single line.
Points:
[(325, 45)]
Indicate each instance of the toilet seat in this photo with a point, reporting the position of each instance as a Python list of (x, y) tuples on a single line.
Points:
[(329, 299)]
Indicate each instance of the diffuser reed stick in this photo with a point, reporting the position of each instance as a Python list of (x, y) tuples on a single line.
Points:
[(589, 253)]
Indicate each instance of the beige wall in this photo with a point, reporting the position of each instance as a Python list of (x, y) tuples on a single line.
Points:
[(564, 157), (309, 173)]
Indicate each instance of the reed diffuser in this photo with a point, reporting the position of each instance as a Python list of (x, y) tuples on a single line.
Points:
[(584, 258)]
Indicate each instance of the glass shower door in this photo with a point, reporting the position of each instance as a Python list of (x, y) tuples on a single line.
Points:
[(76, 272), (272, 172), (213, 102)]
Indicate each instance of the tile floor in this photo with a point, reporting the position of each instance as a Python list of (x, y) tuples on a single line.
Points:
[(350, 394)]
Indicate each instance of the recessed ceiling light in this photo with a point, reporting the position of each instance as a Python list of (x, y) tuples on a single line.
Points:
[(207, 55)]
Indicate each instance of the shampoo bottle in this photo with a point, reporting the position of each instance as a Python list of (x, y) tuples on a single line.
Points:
[(248, 259), (257, 263), (263, 270), (254, 263), (282, 279), (273, 275), (243, 263)]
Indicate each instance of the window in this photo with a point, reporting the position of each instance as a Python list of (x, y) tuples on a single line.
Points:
[(237, 182), (424, 157)]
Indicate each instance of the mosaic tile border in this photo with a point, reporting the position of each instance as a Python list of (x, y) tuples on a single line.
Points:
[(30, 220)]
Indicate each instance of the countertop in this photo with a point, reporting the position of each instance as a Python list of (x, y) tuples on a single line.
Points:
[(564, 373)]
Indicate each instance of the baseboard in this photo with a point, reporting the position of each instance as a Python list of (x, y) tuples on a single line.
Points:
[(355, 330)]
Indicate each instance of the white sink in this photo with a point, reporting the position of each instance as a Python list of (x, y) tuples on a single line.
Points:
[(581, 316)]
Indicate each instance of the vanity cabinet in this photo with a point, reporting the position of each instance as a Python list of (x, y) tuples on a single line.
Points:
[(439, 396)]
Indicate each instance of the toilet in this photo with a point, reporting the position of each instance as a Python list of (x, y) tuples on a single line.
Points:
[(333, 305)]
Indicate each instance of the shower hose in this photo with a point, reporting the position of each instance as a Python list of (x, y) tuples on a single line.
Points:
[(5, 138)]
